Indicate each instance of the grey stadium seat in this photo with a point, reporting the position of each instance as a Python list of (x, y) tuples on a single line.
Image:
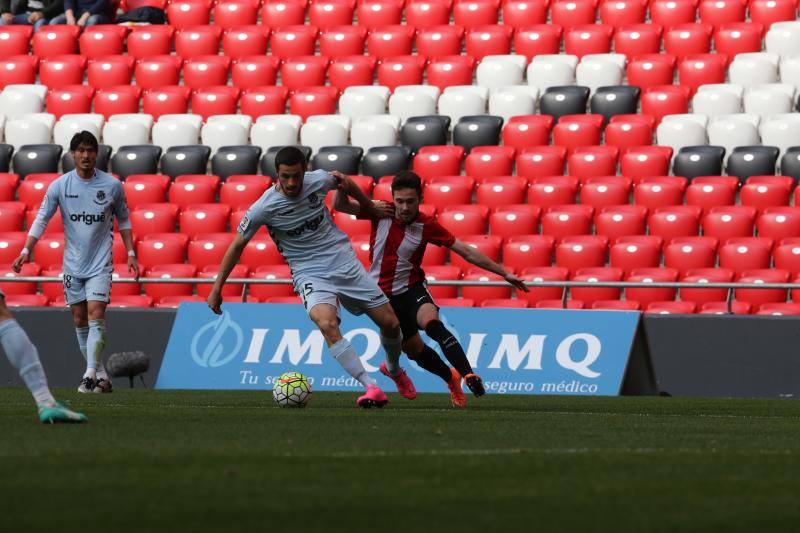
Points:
[(35, 158), (478, 130), (232, 160), (345, 159), (746, 161), (790, 163), (136, 159), (383, 161), (179, 160), (693, 161), (428, 130), (564, 100), (6, 151), (615, 100)]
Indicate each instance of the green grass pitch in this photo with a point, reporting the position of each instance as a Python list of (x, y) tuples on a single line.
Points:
[(231, 461)]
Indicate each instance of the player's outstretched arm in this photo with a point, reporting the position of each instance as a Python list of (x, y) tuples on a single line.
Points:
[(343, 203), (232, 256), (479, 259)]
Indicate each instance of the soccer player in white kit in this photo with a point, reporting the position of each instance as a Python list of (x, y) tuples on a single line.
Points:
[(89, 200), (325, 270)]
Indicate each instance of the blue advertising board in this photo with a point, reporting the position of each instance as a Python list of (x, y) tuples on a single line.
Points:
[(516, 351)]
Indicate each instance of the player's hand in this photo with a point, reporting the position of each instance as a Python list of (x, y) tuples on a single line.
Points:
[(516, 282), (133, 266), (381, 209), (18, 262), (341, 179), (215, 301)]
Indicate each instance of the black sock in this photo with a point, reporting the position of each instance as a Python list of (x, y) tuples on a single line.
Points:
[(430, 361), (450, 347)]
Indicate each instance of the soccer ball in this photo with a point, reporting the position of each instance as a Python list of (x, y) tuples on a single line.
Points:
[(292, 390)]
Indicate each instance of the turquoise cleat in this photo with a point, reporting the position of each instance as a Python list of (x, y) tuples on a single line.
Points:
[(59, 414)]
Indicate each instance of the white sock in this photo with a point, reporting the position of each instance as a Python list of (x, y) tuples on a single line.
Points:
[(346, 355), (393, 349), (83, 338), (25, 358), (95, 345)]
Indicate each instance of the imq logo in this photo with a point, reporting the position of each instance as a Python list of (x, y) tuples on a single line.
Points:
[(217, 343)]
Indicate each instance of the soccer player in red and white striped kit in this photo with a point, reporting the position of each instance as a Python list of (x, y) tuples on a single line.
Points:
[(397, 246)]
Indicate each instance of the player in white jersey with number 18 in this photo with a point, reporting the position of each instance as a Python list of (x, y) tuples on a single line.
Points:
[(325, 270), (89, 201)]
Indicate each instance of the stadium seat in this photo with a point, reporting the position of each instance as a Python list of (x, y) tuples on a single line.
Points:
[(179, 160), (778, 309), (270, 101), (488, 40), (463, 220), (150, 40), (154, 218), (156, 291), (581, 252), (197, 219), (52, 41), (136, 159), (313, 101), (479, 293), (440, 41), (208, 249), (425, 14), (504, 303), (569, 14), (537, 39), (397, 71), (726, 223), (260, 251), (271, 272), (642, 161), (560, 304), (162, 248), (655, 72), (185, 13), (385, 160), (154, 72), (252, 71), (49, 250), (14, 40), (390, 41), (671, 308), (523, 131), (589, 295), (206, 71), (630, 256), (758, 297), (488, 244), (620, 221), (637, 39), (689, 255), (169, 100), (740, 255), (560, 222), (230, 290), (646, 296), (196, 41)]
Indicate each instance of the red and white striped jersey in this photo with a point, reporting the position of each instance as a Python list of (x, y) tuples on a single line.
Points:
[(396, 250)]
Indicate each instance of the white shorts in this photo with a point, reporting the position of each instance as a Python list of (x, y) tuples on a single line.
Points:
[(96, 288), (356, 291)]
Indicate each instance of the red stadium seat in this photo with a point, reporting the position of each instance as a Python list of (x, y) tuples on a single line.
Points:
[(778, 309), (588, 39), (484, 161), (489, 245), (657, 194), (208, 249), (49, 250), (706, 275), (482, 41), (686, 256), (605, 193), (281, 14), (642, 161), (787, 257), (573, 131), (620, 221), (646, 296), (511, 220), (352, 225), (260, 251), (169, 271), (361, 246), (32, 189), (570, 14), (26, 300), (61, 71), (702, 69), (293, 41), (559, 304), (132, 301), (14, 40), (251, 71), (326, 14), (738, 38), (245, 41), (11, 216), (343, 41), (682, 40), (650, 71), (462, 220), (102, 40), (185, 13), (527, 251), (115, 100), (148, 41), (69, 99), (745, 254), (724, 308), (499, 193), (471, 14), (725, 223), (401, 70), (670, 13), (635, 39), (303, 71), (162, 248), (757, 297), (442, 273), (719, 12), (232, 13), (20, 69), (204, 218), (628, 134), (52, 41), (265, 100), (313, 101), (524, 13), (629, 256), (671, 308), (590, 161), (145, 189), (440, 41), (623, 12), (219, 100), (477, 293), (671, 222), (187, 193), (589, 295), (174, 302), (10, 245), (522, 131), (553, 190), (8, 186), (537, 294), (709, 194), (439, 161), (766, 12), (262, 291), (617, 305), (537, 39), (423, 14), (576, 253), (541, 161), (206, 71), (14, 288), (662, 100), (504, 303), (560, 222), (765, 195), (154, 218), (390, 41), (158, 71), (376, 14)]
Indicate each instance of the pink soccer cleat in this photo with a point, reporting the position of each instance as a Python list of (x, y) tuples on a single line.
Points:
[(404, 384), (374, 397)]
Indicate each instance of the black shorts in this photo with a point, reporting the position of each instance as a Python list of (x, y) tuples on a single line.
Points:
[(406, 306)]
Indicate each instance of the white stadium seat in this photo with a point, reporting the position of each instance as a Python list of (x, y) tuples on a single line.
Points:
[(731, 131), (68, 125), (358, 102), (598, 71), (497, 71), (769, 100), (323, 132), (754, 69), (15, 102), (461, 101), (124, 133), (550, 70), (782, 130), (783, 38), (513, 100), (268, 133), (176, 130), (31, 128), (790, 70), (718, 99), (245, 121), (680, 131), (218, 133), (371, 131)]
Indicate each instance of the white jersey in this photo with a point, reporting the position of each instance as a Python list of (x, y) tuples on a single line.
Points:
[(303, 228), (88, 208)]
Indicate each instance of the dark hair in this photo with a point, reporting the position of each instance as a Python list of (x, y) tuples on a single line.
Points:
[(289, 156), (407, 180), (83, 137)]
